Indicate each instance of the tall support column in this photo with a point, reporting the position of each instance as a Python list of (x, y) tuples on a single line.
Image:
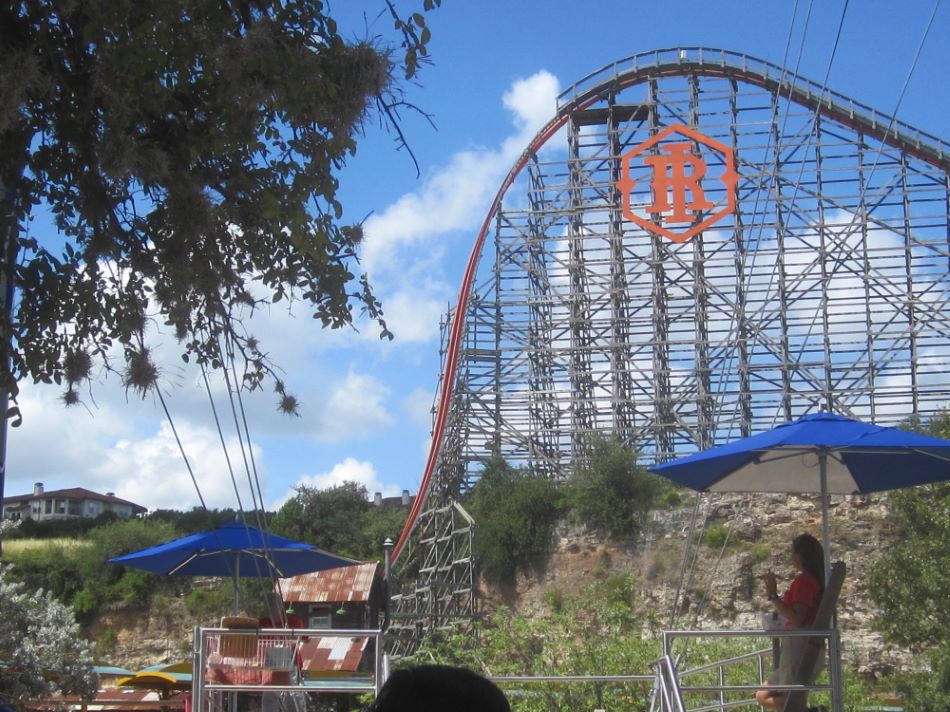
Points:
[(582, 383), (827, 395), (786, 365), (743, 332), (622, 396), (543, 412), (664, 416), (706, 425), (910, 299), (871, 371)]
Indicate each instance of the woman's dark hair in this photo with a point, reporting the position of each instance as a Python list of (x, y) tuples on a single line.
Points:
[(812, 556), (439, 688)]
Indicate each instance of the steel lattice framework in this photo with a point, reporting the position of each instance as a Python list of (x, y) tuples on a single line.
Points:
[(826, 288)]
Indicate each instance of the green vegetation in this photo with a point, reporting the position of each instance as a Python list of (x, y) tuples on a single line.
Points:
[(515, 514), (612, 495), (516, 511), (716, 536), (340, 519), (598, 632), (75, 572), (40, 646), (910, 583)]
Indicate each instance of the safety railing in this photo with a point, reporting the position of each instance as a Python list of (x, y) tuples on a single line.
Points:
[(668, 695), (283, 662), (727, 692)]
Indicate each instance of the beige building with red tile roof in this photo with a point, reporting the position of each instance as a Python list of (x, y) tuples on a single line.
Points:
[(72, 503)]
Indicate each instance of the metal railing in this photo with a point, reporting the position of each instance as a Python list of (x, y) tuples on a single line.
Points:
[(269, 660), (671, 680)]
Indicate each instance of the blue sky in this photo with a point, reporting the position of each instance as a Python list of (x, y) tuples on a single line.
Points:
[(498, 67)]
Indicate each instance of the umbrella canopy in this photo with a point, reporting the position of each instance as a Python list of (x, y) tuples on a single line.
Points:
[(859, 458), (160, 680), (233, 549)]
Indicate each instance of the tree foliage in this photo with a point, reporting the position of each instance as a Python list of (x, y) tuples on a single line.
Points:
[(40, 646), (612, 494), (515, 513), (188, 155), (339, 519), (910, 581)]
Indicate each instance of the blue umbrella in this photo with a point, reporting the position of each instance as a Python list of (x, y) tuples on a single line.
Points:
[(821, 453), (233, 549)]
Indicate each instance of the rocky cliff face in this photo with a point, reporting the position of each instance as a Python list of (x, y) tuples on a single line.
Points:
[(719, 586)]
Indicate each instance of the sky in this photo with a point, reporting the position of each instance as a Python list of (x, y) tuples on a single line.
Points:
[(496, 70)]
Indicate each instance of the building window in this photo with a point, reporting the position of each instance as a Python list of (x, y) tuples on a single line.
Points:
[(49, 506), (321, 616)]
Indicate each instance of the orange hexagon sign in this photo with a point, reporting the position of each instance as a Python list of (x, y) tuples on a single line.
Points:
[(670, 174)]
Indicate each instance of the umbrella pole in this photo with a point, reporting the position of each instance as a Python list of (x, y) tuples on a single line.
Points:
[(834, 653), (237, 583), (825, 506)]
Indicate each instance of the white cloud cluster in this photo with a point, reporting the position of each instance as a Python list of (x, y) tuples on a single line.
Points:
[(106, 450), (401, 252), (355, 409), (350, 470)]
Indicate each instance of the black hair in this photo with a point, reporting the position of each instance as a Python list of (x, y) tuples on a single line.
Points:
[(812, 556), (439, 688)]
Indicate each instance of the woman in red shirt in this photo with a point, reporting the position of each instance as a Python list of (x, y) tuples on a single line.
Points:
[(798, 607)]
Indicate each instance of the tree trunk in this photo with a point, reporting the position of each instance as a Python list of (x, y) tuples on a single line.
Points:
[(14, 147)]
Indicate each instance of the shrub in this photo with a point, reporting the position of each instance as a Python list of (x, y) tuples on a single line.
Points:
[(612, 494), (515, 512), (554, 599), (716, 536)]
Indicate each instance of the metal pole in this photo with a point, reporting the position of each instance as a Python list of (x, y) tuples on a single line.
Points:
[(834, 653), (387, 581)]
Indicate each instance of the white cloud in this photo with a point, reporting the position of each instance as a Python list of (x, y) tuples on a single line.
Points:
[(355, 408), (107, 449), (533, 102), (151, 471), (350, 470), (399, 251), (418, 406), (412, 319)]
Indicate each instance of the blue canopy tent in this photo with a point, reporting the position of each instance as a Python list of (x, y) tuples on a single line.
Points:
[(233, 549)]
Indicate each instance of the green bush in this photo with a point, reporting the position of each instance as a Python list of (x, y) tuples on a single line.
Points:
[(554, 599), (716, 536), (612, 494), (515, 512), (84, 605)]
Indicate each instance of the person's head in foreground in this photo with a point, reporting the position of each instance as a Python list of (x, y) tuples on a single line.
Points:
[(439, 688)]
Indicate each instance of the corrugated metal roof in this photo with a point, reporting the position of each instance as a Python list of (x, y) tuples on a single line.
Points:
[(345, 583), (336, 654)]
